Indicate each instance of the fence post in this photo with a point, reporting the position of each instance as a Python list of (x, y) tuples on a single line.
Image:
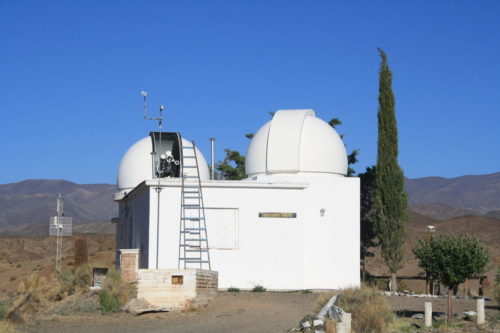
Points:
[(345, 325), (428, 314), (480, 311)]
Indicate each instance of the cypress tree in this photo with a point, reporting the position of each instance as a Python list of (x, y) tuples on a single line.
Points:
[(390, 200)]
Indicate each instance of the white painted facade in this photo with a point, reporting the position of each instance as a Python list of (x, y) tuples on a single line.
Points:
[(296, 165)]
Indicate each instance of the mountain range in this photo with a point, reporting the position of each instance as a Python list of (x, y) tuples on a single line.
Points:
[(445, 198), (34, 201), (26, 206)]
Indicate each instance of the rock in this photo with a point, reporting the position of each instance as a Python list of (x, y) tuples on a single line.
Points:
[(138, 306), (318, 324), (418, 316)]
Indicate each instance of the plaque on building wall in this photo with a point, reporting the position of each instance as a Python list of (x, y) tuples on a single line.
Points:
[(278, 215)]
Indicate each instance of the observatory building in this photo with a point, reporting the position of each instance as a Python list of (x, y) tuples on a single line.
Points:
[(292, 224)]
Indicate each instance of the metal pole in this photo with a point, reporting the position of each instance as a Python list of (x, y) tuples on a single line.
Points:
[(212, 162)]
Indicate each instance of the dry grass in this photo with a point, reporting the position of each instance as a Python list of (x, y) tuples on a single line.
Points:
[(369, 308), (36, 291), (7, 327), (323, 299), (330, 326)]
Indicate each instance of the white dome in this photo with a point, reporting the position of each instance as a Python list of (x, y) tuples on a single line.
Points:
[(136, 165), (294, 142)]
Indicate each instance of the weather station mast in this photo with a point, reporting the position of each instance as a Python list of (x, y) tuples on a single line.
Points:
[(60, 226)]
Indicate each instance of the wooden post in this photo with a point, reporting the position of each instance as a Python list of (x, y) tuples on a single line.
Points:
[(448, 312), (428, 314), (480, 311)]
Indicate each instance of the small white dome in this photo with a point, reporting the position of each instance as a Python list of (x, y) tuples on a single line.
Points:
[(294, 142), (136, 165)]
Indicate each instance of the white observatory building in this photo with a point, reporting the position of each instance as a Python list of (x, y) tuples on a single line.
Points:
[(292, 224)]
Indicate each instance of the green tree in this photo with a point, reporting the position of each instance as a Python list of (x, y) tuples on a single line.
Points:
[(390, 200), (451, 259), (233, 165), (367, 211), (352, 158)]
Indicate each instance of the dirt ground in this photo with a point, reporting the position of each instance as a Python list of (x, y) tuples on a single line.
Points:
[(244, 312), (230, 312)]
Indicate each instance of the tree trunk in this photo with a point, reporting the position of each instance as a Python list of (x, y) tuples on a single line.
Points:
[(448, 315), (394, 282)]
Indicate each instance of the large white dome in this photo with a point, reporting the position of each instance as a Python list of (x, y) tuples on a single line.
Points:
[(136, 165), (296, 142)]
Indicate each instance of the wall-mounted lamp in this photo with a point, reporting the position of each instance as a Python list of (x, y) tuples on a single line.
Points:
[(322, 212)]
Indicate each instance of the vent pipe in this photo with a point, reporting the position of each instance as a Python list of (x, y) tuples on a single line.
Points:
[(212, 162)]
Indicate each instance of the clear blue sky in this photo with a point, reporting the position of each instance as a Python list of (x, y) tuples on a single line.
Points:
[(71, 73)]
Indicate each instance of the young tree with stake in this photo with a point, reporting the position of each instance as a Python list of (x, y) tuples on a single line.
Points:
[(452, 259)]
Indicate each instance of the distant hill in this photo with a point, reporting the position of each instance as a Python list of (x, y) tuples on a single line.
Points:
[(445, 198), (34, 201), (41, 229), (486, 229)]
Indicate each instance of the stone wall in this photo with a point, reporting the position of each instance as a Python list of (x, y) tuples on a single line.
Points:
[(176, 288)]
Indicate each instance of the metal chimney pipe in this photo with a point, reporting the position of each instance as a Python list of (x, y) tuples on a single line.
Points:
[(212, 162)]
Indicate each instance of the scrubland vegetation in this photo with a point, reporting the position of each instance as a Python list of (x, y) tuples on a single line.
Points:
[(67, 292)]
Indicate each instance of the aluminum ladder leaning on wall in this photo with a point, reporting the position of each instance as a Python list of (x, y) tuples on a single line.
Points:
[(193, 238)]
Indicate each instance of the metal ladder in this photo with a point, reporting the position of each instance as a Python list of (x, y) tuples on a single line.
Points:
[(193, 238)]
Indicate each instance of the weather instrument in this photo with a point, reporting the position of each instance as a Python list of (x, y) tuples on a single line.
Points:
[(164, 163), (60, 226), (144, 94)]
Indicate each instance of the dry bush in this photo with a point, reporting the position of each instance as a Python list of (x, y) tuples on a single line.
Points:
[(36, 291), (323, 298), (115, 292), (370, 310), (331, 326), (30, 299)]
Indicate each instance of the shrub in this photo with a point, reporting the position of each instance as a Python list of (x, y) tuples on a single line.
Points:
[(369, 308), (3, 310), (108, 302), (83, 277), (258, 289), (115, 293), (233, 290)]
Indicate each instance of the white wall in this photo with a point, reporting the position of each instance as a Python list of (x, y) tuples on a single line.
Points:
[(132, 231), (306, 252)]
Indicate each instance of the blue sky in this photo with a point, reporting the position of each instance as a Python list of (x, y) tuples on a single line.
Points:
[(71, 73)]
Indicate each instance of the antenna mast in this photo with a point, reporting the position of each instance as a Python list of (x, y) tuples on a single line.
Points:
[(60, 226)]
